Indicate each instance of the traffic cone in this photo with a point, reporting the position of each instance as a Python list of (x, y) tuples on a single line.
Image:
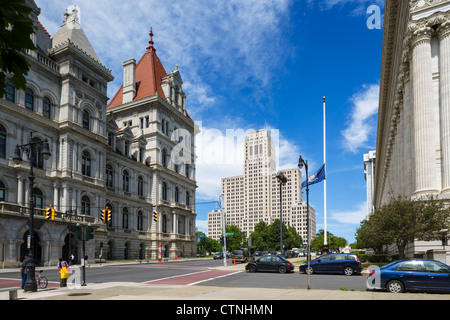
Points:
[(234, 261)]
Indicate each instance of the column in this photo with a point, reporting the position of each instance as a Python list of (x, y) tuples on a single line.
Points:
[(424, 140), (20, 182), (444, 98)]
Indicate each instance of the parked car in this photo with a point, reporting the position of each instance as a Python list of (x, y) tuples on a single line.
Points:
[(270, 263), (241, 255), (218, 256), (413, 275), (346, 263)]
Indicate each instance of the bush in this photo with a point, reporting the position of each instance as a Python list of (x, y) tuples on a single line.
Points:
[(386, 258)]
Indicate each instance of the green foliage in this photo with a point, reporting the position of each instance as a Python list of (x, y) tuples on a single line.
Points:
[(402, 221), (333, 242), (15, 30), (267, 237), (205, 244)]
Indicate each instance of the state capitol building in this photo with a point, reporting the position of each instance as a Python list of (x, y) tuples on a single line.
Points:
[(115, 154)]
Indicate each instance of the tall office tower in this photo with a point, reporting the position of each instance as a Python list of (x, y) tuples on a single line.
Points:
[(255, 196)]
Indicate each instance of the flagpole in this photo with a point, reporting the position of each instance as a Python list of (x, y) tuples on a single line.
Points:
[(325, 243)]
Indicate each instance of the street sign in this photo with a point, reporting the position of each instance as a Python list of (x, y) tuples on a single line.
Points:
[(230, 234)]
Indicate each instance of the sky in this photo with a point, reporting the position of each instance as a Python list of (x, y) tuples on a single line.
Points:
[(251, 64)]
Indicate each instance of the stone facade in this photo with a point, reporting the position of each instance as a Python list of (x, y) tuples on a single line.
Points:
[(413, 146), (100, 157)]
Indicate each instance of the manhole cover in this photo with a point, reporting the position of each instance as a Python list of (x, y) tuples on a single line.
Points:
[(79, 294)]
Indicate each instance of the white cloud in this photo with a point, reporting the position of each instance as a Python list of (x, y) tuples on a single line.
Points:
[(362, 126), (354, 216), (233, 40)]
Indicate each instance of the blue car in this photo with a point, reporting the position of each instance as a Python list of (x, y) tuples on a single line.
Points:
[(343, 263), (411, 275)]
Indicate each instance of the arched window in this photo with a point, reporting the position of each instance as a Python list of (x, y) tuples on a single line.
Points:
[(85, 205), (164, 191), (140, 186), (38, 198), (2, 142), (140, 220), (86, 119), (2, 191), (125, 218), (29, 99), (86, 163), (109, 175), (126, 181), (10, 93), (177, 195), (46, 107)]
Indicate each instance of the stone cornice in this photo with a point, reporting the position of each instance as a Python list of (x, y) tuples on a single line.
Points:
[(417, 5)]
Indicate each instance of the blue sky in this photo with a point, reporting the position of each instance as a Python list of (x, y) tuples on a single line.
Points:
[(250, 64)]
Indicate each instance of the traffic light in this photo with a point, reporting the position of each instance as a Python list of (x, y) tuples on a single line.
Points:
[(106, 215), (50, 213), (89, 233)]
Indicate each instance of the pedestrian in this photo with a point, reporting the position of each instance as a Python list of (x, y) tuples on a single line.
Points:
[(86, 260), (64, 270), (24, 270)]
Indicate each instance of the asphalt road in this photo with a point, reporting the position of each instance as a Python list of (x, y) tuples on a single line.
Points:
[(196, 272)]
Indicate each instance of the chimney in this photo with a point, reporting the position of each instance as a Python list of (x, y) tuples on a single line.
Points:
[(129, 80)]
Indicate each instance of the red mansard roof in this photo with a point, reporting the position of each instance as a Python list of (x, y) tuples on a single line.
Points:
[(149, 71)]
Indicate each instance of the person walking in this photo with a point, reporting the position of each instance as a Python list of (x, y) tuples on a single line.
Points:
[(24, 270), (64, 270)]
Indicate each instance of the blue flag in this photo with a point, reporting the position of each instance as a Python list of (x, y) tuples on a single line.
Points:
[(316, 177)]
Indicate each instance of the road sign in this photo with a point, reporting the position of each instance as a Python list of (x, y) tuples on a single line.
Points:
[(230, 234)]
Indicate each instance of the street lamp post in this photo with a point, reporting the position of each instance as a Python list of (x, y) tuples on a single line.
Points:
[(282, 180), (302, 163), (31, 149)]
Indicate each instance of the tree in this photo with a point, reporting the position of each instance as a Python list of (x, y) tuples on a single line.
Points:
[(237, 240), (205, 244), (333, 242), (267, 237), (401, 221), (15, 30)]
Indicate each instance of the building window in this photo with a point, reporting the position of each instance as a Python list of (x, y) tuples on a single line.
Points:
[(140, 221), (164, 223), (86, 163), (164, 191), (140, 186), (2, 142), (29, 99), (86, 119), (10, 94), (188, 198), (46, 107), (141, 155), (38, 198), (127, 148), (177, 195), (125, 218), (109, 175), (86, 206), (2, 191), (38, 162), (126, 181), (110, 139), (164, 158)]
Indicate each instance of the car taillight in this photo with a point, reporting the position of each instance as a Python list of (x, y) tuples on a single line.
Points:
[(357, 259), (242, 257), (371, 272)]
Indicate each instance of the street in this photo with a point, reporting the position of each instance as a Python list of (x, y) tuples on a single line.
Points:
[(204, 272)]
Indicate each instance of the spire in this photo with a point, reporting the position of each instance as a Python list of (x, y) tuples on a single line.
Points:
[(150, 47)]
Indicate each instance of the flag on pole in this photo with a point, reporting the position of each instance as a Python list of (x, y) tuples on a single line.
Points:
[(318, 176)]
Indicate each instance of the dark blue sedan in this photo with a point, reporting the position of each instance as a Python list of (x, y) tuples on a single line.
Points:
[(411, 275), (343, 263)]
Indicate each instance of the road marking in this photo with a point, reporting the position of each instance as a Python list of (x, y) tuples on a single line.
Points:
[(192, 278)]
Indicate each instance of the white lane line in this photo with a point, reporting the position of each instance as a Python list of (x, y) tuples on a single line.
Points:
[(180, 275), (222, 276)]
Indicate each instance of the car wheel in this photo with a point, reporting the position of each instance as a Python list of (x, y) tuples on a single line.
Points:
[(282, 269), (251, 268), (309, 270), (348, 271), (395, 286)]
